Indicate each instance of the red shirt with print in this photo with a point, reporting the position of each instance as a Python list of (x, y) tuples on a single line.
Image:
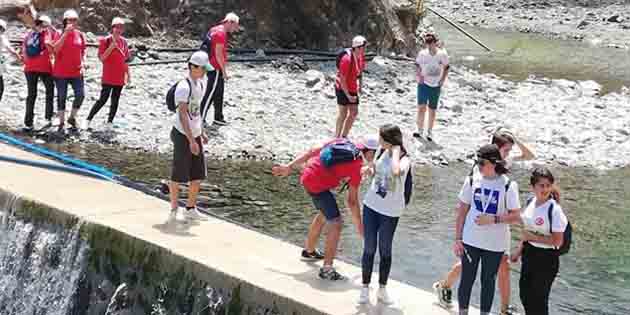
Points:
[(69, 57), (41, 63), (114, 66), (351, 70), (317, 178), (219, 36)]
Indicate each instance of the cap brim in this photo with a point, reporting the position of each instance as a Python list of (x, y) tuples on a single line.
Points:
[(208, 67)]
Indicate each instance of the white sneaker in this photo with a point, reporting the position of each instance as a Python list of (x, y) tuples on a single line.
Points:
[(194, 214), (172, 216), (364, 298), (85, 125), (383, 297), (179, 216)]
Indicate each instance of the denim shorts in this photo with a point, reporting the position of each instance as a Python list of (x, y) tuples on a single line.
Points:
[(428, 95), (327, 204)]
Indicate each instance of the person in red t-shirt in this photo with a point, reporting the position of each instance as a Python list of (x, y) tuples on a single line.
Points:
[(215, 45), (38, 66), (318, 181), (348, 86), (70, 51), (113, 52)]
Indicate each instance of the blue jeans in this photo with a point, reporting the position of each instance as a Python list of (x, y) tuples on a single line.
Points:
[(381, 227), (62, 92), (490, 262)]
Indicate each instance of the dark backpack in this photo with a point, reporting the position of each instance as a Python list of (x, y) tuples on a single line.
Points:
[(341, 53), (339, 152), (568, 232), (408, 185), (206, 44), (34, 44), (170, 96)]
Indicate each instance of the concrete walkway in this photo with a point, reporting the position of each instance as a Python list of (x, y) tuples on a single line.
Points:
[(248, 256)]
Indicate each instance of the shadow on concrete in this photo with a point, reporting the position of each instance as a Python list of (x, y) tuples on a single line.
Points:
[(176, 228), (311, 278), (378, 309)]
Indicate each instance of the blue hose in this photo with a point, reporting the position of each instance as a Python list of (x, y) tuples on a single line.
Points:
[(55, 167), (75, 163)]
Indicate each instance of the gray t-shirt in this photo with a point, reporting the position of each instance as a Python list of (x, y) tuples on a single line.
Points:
[(182, 92)]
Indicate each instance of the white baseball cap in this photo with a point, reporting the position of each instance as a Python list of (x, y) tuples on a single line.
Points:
[(200, 58), (70, 14), (3, 24), (231, 17), (45, 19), (358, 41), (118, 21)]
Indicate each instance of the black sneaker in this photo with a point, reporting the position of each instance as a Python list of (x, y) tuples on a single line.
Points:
[(27, 129), (72, 122), (429, 136), (330, 274), (315, 255), (509, 310), (220, 122)]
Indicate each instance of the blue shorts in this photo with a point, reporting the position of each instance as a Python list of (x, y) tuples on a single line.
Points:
[(428, 95), (327, 204)]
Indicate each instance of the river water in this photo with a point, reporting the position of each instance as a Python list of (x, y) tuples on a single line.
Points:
[(593, 276)]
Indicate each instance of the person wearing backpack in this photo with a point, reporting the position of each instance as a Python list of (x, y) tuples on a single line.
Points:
[(38, 66), (113, 51), (350, 66), (215, 45), (383, 205), (431, 71), (326, 166), (70, 52), (543, 240), (5, 45), (188, 136), (505, 140), (489, 197)]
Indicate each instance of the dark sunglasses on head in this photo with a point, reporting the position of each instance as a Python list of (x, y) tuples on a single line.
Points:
[(38, 23)]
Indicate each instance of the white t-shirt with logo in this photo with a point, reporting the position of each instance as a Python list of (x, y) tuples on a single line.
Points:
[(432, 66), (386, 194), (488, 196), (536, 220), (194, 105)]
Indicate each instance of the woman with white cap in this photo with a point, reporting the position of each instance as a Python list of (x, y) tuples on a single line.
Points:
[(5, 44), (70, 51), (113, 52), (38, 66)]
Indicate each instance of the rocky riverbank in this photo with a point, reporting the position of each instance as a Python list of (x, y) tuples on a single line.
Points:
[(276, 110), (603, 23)]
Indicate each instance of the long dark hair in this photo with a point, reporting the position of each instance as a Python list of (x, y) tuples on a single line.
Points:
[(392, 135), (542, 172)]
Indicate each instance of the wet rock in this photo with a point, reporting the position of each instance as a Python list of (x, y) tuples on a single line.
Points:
[(457, 108), (615, 19), (313, 77)]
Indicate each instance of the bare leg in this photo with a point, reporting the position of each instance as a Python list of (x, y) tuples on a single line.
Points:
[(453, 275), (353, 111), (504, 282), (314, 232), (73, 112), (422, 109), (431, 118), (332, 240), (341, 118), (193, 190), (174, 194)]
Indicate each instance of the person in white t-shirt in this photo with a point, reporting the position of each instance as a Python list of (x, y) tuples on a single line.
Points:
[(431, 71), (493, 195), (505, 140), (383, 205), (188, 136), (539, 242)]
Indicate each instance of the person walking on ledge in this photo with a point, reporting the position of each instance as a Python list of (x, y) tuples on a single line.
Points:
[(348, 86), (188, 136), (383, 205), (326, 166), (113, 52), (215, 45), (431, 72)]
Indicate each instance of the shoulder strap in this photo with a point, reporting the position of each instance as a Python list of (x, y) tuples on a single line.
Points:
[(507, 188), (189, 90), (550, 215)]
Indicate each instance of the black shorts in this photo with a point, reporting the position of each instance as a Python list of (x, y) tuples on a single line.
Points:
[(186, 166), (343, 100)]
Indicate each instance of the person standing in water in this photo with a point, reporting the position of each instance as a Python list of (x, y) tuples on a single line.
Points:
[(383, 205), (113, 52)]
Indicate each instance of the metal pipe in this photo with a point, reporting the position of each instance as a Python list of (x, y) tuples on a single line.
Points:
[(459, 28)]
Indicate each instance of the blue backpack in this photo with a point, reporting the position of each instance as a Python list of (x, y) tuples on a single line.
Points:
[(339, 152), (34, 44), (206, 44)]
